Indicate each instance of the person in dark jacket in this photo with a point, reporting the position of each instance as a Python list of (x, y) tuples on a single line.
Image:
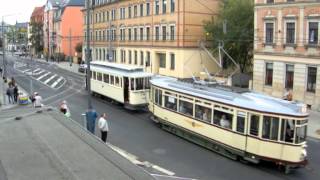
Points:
[(15, 93), (91, 116)]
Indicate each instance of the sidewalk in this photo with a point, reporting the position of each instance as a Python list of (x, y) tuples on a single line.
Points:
[(3, 97)]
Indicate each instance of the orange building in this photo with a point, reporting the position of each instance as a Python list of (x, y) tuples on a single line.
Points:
[(68, 27)]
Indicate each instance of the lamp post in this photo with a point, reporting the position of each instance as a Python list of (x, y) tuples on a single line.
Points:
[(88, 54)]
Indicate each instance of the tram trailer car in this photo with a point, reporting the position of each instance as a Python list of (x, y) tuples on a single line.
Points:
[(122, 83), (237, 123)]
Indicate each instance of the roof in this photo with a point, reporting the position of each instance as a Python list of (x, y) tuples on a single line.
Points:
[(245, 99), (119, 69), (48, 146), (76, 2)]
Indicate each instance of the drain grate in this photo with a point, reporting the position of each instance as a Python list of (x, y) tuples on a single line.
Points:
[(3, 175)]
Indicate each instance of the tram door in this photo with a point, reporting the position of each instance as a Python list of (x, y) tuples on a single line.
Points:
[(126, 89)]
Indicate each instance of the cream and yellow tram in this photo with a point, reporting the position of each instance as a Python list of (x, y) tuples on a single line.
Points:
[(125, 84), (234, 122)]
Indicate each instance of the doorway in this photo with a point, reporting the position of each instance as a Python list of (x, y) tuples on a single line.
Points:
[(126, 89)]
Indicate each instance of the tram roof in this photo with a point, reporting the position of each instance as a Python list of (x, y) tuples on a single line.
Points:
[(119, 69), (249, 100)]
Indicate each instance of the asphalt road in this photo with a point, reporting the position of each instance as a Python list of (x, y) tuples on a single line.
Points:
[(135, 133)]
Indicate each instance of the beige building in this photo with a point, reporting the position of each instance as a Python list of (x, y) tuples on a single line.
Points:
[(287, 49), (160, 35)]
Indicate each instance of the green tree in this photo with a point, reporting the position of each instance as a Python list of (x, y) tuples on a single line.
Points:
[(36, 37), (234, 27)]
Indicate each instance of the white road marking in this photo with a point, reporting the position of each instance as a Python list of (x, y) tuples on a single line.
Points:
[(48, 80), (38, 69), (38, 73), (172, 177), (134, 159), (56, 82), (39, 78), (26, 70)]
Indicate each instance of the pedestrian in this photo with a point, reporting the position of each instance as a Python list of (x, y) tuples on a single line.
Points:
[(37, 100), (10, 92), (104, 127), (0, 71), (64, 109), (15, 93), (91, 116)]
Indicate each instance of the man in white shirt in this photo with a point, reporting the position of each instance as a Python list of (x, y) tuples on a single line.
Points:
[(37, 100), (103, 126)]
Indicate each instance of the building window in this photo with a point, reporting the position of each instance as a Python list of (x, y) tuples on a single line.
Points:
[(162, 58), (289, 76), (313, 32), (172, 32), (164, 33), (148, 9), (269, 74), (269, 33), (148, 33), (157, 7), (141, 10), (290, 33), (135, 11), (135, 33), (129, 12), (157, 33), (172, 61), (141, 34), (130, 57), (241, 119), (135, 57), (141, 58), (129, 34), (312, 79), (172, 5), (108, 16), (148, 59), (164, 6), (270, 1)]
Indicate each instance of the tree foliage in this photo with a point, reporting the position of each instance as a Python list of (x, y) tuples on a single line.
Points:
[(78, 48), (36, 37), (234, 27)]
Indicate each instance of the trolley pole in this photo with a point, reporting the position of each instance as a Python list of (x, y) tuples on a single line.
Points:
[(88, 54), (70, 47)]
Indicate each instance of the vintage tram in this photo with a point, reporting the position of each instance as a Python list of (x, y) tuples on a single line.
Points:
[(237, 123), (122, 83)]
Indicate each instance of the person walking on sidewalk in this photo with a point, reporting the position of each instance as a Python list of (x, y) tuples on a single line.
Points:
[(10, 92), (15, 93), (37, 100), (91, 116), (104, 127), (64, 108)]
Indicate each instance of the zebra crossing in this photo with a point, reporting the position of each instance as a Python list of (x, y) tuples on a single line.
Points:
[(44, 76)]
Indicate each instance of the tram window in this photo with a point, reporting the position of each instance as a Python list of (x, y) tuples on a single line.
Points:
[(270, 127), (117, 81), (222, 119), (287, 130), (147, 83), (186, 108), (203, 113), (158, 97), (99, 76), (132, 84), (106, 78), (94, 75), (301, 134), (139, 83), (254, 125), (241, 119), (170, 103), (112, 80)]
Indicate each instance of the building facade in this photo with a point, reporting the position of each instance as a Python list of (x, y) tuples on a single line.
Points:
[(287, 49), (35, 31), (68, 27), (162, 36)]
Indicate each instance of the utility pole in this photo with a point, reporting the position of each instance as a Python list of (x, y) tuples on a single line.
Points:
[(88, 54), (70, 46), (4, 52)]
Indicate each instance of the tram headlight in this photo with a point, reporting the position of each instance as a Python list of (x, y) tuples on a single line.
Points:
[(303, 154)]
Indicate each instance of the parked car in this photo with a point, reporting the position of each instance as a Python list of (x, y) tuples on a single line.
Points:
[(82, 68)]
